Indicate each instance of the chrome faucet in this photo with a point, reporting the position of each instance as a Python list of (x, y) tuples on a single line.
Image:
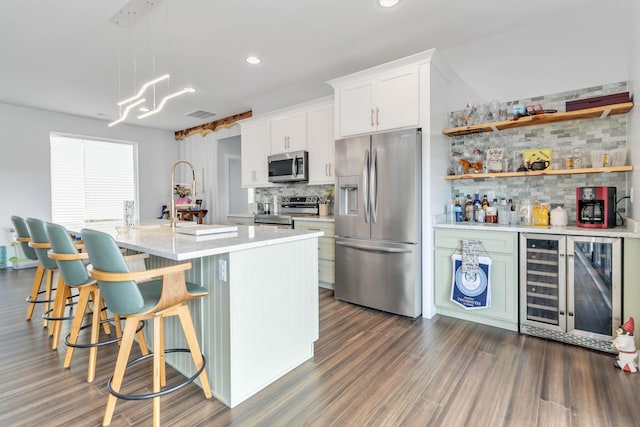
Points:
[(173, 217)]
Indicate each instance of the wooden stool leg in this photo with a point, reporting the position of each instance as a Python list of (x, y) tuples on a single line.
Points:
[(192, 340), (130, 327), (99, 302), (95, 332), (83, 302), (35, 290), (158, 366), (47, 294), (59, 307), (142, 342)]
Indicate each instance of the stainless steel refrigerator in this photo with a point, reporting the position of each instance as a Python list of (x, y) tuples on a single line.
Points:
[(377, 214)]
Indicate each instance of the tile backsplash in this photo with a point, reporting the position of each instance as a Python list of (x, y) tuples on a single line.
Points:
[(564, 139)]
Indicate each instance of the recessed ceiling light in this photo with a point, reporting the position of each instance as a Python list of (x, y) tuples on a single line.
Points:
[(253, 60), (388, 3)]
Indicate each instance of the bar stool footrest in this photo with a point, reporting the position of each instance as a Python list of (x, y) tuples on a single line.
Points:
[(99, 343), (39, 301), (161, 392)]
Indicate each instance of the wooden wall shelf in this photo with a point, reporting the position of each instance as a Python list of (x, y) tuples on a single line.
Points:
[(539, 119), (539, 173)]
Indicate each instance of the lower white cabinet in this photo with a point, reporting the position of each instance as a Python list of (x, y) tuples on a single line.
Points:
[(502, 248), (326, 249)]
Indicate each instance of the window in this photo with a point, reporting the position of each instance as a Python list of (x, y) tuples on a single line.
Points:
[(90, 179)]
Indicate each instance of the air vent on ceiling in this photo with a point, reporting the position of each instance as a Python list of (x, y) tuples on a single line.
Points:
[(201, 114)]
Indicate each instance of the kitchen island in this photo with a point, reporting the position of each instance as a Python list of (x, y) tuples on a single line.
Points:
[(260, 319)]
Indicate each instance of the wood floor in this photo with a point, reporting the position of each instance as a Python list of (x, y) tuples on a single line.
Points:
[(369, 369)]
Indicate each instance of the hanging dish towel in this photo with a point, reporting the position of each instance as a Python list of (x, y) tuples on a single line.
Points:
[(471, 287)]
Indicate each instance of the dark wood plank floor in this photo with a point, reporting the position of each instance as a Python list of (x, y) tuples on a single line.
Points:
[(369, 369)]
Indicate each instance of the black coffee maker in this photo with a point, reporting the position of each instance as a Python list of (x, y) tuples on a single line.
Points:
[(596, 207)]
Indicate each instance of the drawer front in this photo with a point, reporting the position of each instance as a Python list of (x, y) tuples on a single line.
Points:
[(326, 271), (504, 242), (327, 227), (326, 248)]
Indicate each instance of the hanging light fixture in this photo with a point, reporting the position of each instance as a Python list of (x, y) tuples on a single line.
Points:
[(126, 17), (124, 115), (164, 101)]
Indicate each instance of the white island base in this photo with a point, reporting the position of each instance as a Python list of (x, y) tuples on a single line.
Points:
[(259, 321)]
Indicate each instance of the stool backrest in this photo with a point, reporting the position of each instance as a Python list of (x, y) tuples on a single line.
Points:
[(22, 231), (39, 235), (74, 272), (104, 254)]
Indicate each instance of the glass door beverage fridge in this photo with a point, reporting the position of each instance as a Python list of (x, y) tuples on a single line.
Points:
[(570, 288)]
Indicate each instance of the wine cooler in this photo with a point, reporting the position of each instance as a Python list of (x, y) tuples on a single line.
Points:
[(571, 288)]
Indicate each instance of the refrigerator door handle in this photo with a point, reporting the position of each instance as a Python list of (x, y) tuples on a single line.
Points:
[(365, 186), (373, 186), (374, 248)]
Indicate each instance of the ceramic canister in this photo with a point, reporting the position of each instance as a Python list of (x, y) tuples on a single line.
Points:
[(559, 217)]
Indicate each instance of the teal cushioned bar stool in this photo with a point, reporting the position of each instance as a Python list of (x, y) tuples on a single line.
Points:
[(138, 301), (73, 270), (56, 314), (36, 290)]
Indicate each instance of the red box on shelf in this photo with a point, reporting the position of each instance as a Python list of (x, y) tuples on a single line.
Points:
[(598, 101)]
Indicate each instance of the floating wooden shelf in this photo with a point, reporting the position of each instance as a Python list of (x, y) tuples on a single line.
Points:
[(539, 173), (539, 119)]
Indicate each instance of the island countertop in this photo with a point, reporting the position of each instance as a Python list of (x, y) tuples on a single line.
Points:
[(158, 239)]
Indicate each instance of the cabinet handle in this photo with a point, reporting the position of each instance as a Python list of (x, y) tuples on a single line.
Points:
[(330, 173), (372, 112), (377, 117), (326, 169)]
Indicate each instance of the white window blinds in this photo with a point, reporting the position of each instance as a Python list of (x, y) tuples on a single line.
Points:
[(90, 179)]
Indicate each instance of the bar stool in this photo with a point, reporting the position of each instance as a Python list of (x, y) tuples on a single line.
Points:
[(138, 301), (74, 272), (40, 242), (36, 289)]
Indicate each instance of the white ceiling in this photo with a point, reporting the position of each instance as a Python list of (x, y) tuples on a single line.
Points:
[(66, 55)]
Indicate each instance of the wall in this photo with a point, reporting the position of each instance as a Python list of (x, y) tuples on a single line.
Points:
[(587, 47), (590, 47), (564, 139), (24, 164)]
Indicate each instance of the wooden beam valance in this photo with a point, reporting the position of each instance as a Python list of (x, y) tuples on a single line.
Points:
[(212, 126)]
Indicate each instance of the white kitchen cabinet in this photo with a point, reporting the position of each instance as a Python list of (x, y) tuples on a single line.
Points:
[(326, 249), (254, 143), (390, 100), (320, 143), (289, 132)]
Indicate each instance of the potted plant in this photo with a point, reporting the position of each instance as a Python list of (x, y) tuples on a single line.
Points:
[(183, 194), (323, 203)]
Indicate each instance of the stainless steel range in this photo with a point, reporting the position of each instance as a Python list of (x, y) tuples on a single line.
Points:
[(288, 208)]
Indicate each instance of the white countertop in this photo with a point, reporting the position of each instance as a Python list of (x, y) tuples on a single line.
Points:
[(156, 238), (627, 231)]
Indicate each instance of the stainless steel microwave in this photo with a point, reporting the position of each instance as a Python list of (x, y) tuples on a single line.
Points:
[(289, 167)]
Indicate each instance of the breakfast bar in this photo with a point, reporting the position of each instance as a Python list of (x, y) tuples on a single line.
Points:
[(260, 319)]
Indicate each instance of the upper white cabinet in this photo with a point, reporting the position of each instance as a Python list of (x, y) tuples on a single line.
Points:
[(254, 143), (289, 132), (307, 126), (320, 143), (370, 102)]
